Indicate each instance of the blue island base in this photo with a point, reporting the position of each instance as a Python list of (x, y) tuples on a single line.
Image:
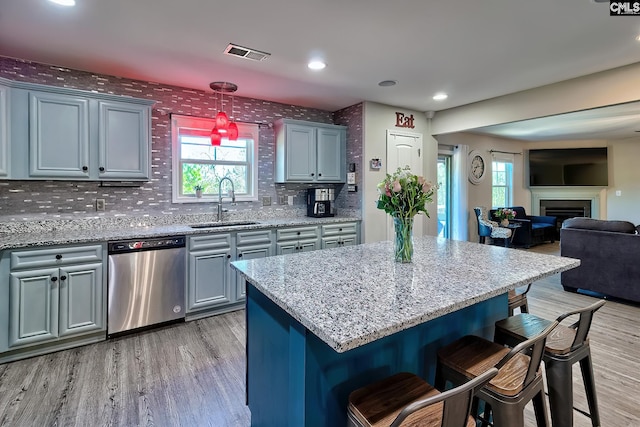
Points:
[(295, 379)]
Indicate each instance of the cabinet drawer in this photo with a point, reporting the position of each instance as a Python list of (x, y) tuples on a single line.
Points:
[(37, 258), (297, 233), (339, 229), (210, 241), (253, 237)]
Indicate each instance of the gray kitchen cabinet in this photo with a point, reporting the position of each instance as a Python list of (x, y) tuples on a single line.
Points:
[(208, 283), (58, 136), (297, 239), (66, 134), (339, 235), (310, 152), (251, 245), (55, 294), (123, 141), (4, 131)]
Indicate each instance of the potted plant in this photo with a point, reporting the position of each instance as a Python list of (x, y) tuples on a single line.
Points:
[(198, 189), (504, 215)]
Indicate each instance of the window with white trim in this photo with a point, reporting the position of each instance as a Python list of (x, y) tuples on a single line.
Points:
[(197, 163), (502, 180)]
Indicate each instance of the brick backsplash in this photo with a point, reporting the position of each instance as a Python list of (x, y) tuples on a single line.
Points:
[(73, 199)]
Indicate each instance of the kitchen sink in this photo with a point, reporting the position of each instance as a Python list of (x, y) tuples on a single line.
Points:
[(223, 224)]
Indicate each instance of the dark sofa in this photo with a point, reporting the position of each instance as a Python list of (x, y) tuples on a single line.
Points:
[(608, 253), (535, 229)]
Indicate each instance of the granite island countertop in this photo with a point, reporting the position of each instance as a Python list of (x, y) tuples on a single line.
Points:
[(84, 232), (351, 296)]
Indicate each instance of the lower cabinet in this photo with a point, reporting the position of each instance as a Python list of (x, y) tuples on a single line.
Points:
[(339, 235), (251, 245), (209, 271), (297, 239), (55, 299), (55, 302)]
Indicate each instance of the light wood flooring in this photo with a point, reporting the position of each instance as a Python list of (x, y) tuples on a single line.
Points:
[(192, 374)]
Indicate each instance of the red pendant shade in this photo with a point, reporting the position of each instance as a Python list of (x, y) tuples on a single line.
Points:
[(222, 121), (233, 131), (216, 138)]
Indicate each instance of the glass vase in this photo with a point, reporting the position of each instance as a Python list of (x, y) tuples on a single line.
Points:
[(403, 247)]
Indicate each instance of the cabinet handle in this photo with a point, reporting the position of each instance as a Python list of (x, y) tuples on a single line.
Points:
[(298, 233), (339, 229), (63, 277), (319, 174), (54, 279), (101, 169), (84, 168), (312, 174), (239, 255), (58, 256), (228, 256)]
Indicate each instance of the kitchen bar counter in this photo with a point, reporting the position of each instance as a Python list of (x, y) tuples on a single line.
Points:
[(322, 324), (84, 232)]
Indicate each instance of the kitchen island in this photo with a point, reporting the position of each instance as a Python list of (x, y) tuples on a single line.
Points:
[(322, 324)]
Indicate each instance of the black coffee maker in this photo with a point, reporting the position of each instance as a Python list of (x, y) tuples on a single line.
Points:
[(320, 202)]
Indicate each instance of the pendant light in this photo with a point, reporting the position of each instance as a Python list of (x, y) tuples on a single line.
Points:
[(223, 127)]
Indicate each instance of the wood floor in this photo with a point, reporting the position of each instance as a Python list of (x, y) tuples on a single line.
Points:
[(192, 374)]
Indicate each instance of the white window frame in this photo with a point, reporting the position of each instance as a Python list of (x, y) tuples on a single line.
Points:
[(245, 130), (503, 158)]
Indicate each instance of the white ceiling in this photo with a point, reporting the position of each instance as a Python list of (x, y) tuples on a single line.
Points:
[(473, 50)]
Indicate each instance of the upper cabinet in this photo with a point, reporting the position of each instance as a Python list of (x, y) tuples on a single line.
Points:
[(310, 152), (66, 134), (4, 131)]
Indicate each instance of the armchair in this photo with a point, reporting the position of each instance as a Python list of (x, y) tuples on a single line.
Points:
[(535, 229), (488, 228)]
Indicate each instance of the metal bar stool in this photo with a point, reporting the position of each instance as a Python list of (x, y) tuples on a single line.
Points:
[(565, 346), (519, 378), (407, 397)]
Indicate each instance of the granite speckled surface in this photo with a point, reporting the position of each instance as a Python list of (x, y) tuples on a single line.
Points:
[(351, 296), (86, 231)]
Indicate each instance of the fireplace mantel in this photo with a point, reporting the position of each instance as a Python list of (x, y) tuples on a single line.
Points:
[(567, 193)]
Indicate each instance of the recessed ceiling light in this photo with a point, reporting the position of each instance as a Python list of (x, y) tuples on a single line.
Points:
[(638, 37), (440, 96), (386, 83), (316, 65), (64, 2)]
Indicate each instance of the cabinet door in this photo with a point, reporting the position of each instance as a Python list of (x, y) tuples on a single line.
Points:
[(208, 279), (4, 131), (330, 242), (33, 307), (300, 153), (247, 253), (81, 299), (331, 146), (286, 248), (123, 143), (58, 135), (307, 245)]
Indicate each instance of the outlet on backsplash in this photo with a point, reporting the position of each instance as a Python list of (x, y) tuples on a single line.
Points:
[(100, 204), (266, 201), (282, 200)]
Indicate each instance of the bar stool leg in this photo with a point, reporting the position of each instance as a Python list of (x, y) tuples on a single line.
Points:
[(508, 416), (540, 409), (560, 385), (590, 389)]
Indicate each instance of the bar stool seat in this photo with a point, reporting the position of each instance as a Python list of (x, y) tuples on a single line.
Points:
[(565, 346), (406, 399), (518, 382)]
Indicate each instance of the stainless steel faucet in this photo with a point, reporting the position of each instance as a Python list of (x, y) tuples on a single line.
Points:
[(231, 193)]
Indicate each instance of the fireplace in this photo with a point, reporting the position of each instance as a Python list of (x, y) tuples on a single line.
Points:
[(565, 209)]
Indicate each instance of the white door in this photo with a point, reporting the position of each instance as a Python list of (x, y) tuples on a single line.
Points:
[(404, 149)]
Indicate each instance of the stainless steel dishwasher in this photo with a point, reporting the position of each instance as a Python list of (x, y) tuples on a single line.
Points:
[(146, 283)]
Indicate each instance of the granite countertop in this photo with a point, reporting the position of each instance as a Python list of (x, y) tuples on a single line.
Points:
[(85, 233), (351, 296)]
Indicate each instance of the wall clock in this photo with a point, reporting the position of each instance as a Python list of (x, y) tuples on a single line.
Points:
[(477, 167)]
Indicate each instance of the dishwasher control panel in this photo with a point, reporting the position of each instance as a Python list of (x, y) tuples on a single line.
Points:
[(147, 244)]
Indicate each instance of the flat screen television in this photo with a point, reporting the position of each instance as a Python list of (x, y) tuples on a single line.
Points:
[(568, 167)]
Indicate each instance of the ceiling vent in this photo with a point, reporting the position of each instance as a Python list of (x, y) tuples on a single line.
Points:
[(245, 52)]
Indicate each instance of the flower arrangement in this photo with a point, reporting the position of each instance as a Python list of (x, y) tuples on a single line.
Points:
[(404, 195), (505, 213)]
